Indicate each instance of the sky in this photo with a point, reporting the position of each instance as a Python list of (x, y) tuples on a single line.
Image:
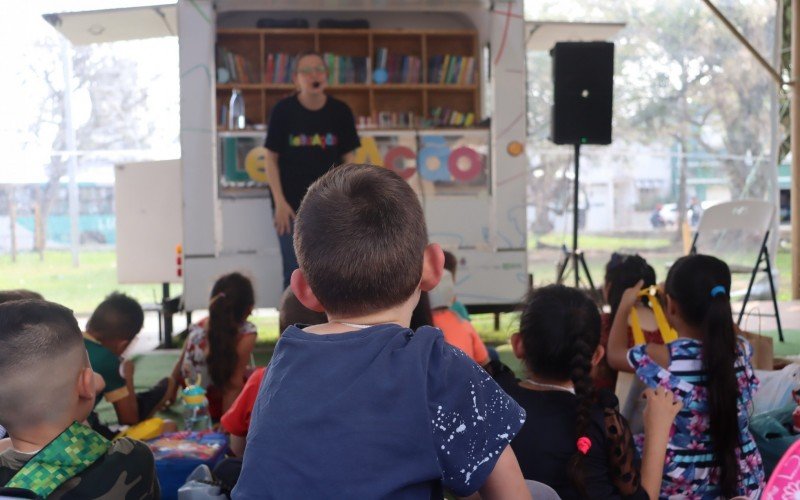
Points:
[(20, 28)]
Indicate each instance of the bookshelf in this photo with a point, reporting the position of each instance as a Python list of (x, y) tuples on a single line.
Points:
[(429, 75)]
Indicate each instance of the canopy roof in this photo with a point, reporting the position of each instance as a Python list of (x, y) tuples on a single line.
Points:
[(542, 35)]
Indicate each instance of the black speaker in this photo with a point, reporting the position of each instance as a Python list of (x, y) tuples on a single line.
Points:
[(583, 91)]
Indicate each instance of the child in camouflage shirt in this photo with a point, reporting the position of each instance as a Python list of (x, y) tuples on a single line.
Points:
[(48, 387)]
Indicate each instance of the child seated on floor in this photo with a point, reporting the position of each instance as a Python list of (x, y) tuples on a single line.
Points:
[(362, 406), (8, 296), (711, 451), (457, 331), (48, 387), (236, 420), (622, 272), (451, 264), (218, 349), (112, 327), (574, 439)]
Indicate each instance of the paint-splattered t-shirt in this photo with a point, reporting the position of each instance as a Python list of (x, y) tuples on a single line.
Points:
[(383, 412)]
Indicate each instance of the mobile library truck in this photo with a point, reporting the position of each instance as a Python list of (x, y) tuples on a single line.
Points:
[(438, 89)]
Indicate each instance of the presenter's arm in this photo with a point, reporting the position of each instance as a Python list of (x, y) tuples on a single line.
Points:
[(349, 158), (284, 215)]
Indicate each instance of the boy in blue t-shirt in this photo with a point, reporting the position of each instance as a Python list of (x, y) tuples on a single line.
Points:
[(362, 406)]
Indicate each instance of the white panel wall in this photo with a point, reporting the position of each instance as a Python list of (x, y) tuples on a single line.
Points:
[(508, 124), (148, 199), (259, 267), (196, 33)]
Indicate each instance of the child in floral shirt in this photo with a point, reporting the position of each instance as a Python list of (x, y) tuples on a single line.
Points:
[(711, 453)]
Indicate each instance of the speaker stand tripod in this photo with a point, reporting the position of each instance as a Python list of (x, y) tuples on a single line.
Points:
[(576, 255)]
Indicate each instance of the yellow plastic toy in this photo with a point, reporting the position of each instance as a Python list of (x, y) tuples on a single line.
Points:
[(144, 430), (667, 333)]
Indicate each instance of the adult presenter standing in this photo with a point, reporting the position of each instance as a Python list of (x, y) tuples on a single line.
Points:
[(308, 134)]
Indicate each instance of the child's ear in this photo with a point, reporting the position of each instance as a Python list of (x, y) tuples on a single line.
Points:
[(672, 307), (86, 383), (432, 267), (304, 293), (517, 346), (598, 355)]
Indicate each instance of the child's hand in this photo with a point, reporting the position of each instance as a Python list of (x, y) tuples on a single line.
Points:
[(630, 296), (660, 411)]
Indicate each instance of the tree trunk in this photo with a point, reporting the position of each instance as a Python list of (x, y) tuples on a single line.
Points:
[(12, 220), (38, 230), (681, 206), (47, 196)]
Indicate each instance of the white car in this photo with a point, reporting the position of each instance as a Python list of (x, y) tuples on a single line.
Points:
[(669, 212)]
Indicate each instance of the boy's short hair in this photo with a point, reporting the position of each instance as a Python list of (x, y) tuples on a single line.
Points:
[(293, 311), (118, 317), (42, 354), (450, 262), (360, 237), (9, 295)]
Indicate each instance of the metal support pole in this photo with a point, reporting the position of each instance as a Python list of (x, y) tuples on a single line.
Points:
[(72, 162), (575, 216), (795, 134), (167, 313), (763, 62)]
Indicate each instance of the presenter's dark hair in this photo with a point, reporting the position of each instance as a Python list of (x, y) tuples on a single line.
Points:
[(360, 236), (306, 53)]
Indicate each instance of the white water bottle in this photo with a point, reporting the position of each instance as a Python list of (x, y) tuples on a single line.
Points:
[(236, 111)]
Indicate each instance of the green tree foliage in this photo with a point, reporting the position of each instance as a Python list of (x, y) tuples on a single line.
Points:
[(681, 78)]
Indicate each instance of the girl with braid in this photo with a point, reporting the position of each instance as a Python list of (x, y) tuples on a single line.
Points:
[(574, 439), (218, 348), (711, 453)]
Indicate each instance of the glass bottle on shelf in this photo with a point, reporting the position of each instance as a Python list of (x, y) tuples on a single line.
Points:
[(236, 120)]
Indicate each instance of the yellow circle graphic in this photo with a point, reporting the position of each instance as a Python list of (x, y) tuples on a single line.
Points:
[(255, 164)]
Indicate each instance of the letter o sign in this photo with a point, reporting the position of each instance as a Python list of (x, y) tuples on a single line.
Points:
[(464, 155)]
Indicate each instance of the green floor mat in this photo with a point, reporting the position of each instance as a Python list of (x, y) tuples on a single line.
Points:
[(791, 344), (152, 367)]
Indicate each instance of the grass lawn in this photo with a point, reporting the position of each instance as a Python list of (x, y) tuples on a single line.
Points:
[(606, 243), (79, 288), (82, 288)]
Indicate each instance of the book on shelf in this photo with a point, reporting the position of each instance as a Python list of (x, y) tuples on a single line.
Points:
[(449, 69), (238, 67), (446, 117), (279, 68), (397, 119), (399, 68), (346, 69)]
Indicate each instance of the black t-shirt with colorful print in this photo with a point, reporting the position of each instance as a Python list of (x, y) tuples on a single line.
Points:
[(309, 142)]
